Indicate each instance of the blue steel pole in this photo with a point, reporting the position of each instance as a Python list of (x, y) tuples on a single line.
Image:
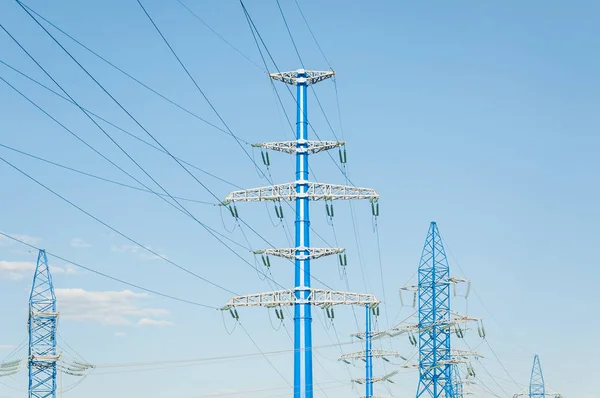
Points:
[(368, 354), (303, 380)]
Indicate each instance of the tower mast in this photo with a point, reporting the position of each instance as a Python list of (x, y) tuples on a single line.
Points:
[(301, 191), (43, 319)]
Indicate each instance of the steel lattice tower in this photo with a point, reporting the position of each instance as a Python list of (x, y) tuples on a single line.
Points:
[(43, 319), (434, 316), (537, 389), (457, 382), (301, 191)]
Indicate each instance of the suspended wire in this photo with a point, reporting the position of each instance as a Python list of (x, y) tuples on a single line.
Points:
[(127, 74), (183, 210), (108, 276), (195, 84), (219, 35), (312, 34), (265, 356), (287, 27), (215, 235), (97, 177), (115, 126), (488, 311)]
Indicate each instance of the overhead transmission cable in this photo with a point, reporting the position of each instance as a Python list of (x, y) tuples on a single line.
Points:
[(122, 281), (110, 161), (114, 125), (95, 176), (215, 235)]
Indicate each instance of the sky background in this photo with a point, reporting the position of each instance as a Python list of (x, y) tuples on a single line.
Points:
[(481, 116)]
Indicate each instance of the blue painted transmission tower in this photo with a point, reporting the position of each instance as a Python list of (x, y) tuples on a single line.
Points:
[(537, 387), (301, 191), (43, 319), (435, 378)]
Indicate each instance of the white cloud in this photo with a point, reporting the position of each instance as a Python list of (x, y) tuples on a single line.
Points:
[(153, 322), (107, 307), (17, 270), (120, 334), (80, 243)]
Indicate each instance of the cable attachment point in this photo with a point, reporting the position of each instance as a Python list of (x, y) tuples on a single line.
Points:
[(343, 259), (233, 210), (343, 157), (375, 208), (481, 329), (330, 313), (460, 333), (470, 370), (279, 313), (265, 158), (412, 339), (279, 210), (266, 261), (234, 314), (375, 311), (329, 209)]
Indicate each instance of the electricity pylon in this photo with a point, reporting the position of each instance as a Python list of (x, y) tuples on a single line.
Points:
[(436, 323), (43, 319), (537, 387), (302, 191), (368, 354)]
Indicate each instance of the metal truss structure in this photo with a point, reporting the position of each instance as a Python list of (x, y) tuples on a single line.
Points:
[(383, 354), (311, 191), (435, 358), (302, 191), (317, 297), (291, 147), (43, 319), (456, 382), (368, 354), (302, 77), (537, 387), (301, 253)]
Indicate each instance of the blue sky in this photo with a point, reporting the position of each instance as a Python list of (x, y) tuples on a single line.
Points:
[(479, 115)]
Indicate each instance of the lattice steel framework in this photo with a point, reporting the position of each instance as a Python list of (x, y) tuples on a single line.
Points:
[(457, 382), (301, 191), (434, 316), (43, 319), (537, 387)]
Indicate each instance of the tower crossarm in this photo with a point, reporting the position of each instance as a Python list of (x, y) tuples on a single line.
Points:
[(303, 76), (375, 335), (317, 297), (300, 146), (314, 191), (374, 353), (387, 377), (299, 253)]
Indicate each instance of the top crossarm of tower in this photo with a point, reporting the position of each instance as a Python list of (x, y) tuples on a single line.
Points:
[(315, 191), (300, 76), (300, 146)]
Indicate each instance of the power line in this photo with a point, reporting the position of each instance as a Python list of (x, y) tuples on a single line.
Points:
[(110, 137), (108, 276), (114, 229), (195, 15), (183, 210), (128, 74), (116, 126), (95, 176)]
